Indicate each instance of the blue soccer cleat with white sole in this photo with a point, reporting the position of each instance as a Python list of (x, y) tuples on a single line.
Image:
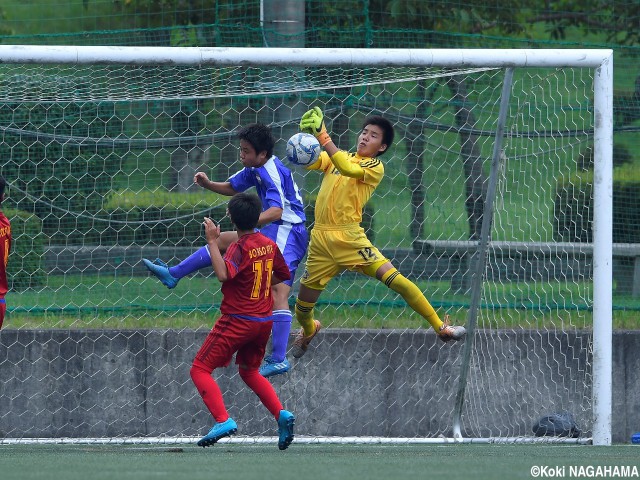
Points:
[(161, 270), (219, 430), (272, 367)]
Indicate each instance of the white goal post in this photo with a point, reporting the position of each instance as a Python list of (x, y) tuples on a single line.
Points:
[(291, 80)]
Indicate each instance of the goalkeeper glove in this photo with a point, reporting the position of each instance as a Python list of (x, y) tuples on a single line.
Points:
[(305, 127), (307, 121), (313, 122)]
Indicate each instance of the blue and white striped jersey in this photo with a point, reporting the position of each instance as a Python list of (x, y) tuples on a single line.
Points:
[(275, 186)]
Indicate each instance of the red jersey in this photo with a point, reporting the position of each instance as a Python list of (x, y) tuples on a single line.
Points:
[(250, 262), (5, 247)]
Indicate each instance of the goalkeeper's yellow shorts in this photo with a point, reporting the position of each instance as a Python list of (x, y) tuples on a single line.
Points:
[(333, 249)]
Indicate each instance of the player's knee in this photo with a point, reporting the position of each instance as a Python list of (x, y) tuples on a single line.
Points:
[(198, 368), (377, 269), (247, 373)]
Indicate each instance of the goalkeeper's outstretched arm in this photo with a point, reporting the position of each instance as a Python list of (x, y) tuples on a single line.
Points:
[(346, 167), (313, 122)]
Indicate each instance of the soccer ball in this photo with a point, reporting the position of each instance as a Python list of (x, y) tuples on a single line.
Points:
[(303, 149)]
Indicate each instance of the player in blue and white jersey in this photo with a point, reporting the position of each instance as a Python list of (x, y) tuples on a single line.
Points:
[(282, 220)]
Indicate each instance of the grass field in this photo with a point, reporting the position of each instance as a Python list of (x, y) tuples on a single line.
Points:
[(307, 461), (103, 301)]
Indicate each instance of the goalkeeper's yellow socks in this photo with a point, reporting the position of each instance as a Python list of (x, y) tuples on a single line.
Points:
[(412, 295), (304, 315)]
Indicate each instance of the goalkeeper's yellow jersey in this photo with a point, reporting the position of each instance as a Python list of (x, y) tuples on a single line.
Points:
[(341, 199)]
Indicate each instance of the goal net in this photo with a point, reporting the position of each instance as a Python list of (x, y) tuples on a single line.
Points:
[(99, 147)]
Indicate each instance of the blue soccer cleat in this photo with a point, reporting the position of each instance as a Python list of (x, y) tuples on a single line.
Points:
[(271, 367), (285, 429), (161, 270), (219, 430)]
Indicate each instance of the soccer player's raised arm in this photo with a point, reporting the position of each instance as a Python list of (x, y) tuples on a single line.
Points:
[(223, 188), (346, 167), (212, 231), (313, 122)]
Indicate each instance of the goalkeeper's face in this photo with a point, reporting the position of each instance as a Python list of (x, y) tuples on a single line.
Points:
[(370, 141)]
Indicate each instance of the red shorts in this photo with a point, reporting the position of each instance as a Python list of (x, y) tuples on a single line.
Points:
[(3, 310), (230, 335)]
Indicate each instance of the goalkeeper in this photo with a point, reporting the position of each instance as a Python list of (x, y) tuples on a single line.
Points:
[(338, 242)]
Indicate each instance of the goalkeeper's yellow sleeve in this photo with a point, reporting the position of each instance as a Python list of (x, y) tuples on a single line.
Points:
[(341, 161)]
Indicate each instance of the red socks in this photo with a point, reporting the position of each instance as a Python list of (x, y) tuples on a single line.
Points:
[(263, 388), (212, 396), (209, 391)]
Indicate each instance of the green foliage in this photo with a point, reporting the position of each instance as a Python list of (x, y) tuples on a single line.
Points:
[(574, 206), (184, 37), (4, 30), (164, 13), (472, 16), (618, 21), (156, 218), (377, 23), (61, 180), (626, 106), (621, 156), (27, 251)]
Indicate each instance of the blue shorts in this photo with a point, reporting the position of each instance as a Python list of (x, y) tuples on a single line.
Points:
[(292, 240)]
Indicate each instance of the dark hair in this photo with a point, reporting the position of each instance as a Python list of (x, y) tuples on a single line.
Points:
[(259, 136), (244, 210), (387, 130), (3, 185)]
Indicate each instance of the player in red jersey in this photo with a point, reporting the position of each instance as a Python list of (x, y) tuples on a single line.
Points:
[(5, 247), (248, 269)]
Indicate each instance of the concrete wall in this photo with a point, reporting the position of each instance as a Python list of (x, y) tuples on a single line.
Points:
[(96, 383)]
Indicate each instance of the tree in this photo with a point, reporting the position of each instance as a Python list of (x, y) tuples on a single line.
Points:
[(365, 23), (617, 21), (429, 17), (3, 29)]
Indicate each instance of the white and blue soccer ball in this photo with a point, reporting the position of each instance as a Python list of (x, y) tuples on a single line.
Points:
[(303, 149)]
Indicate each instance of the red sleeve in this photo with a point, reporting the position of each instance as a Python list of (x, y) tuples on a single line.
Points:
[(233, 259), (5, 247)]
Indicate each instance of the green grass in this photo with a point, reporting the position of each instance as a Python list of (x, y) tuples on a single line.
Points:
[(317, 462), (350, 301)]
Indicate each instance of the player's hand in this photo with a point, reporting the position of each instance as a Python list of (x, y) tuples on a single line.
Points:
[(308, 113), (211, 230), (201, 178), (305, 126), (313, 122)]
